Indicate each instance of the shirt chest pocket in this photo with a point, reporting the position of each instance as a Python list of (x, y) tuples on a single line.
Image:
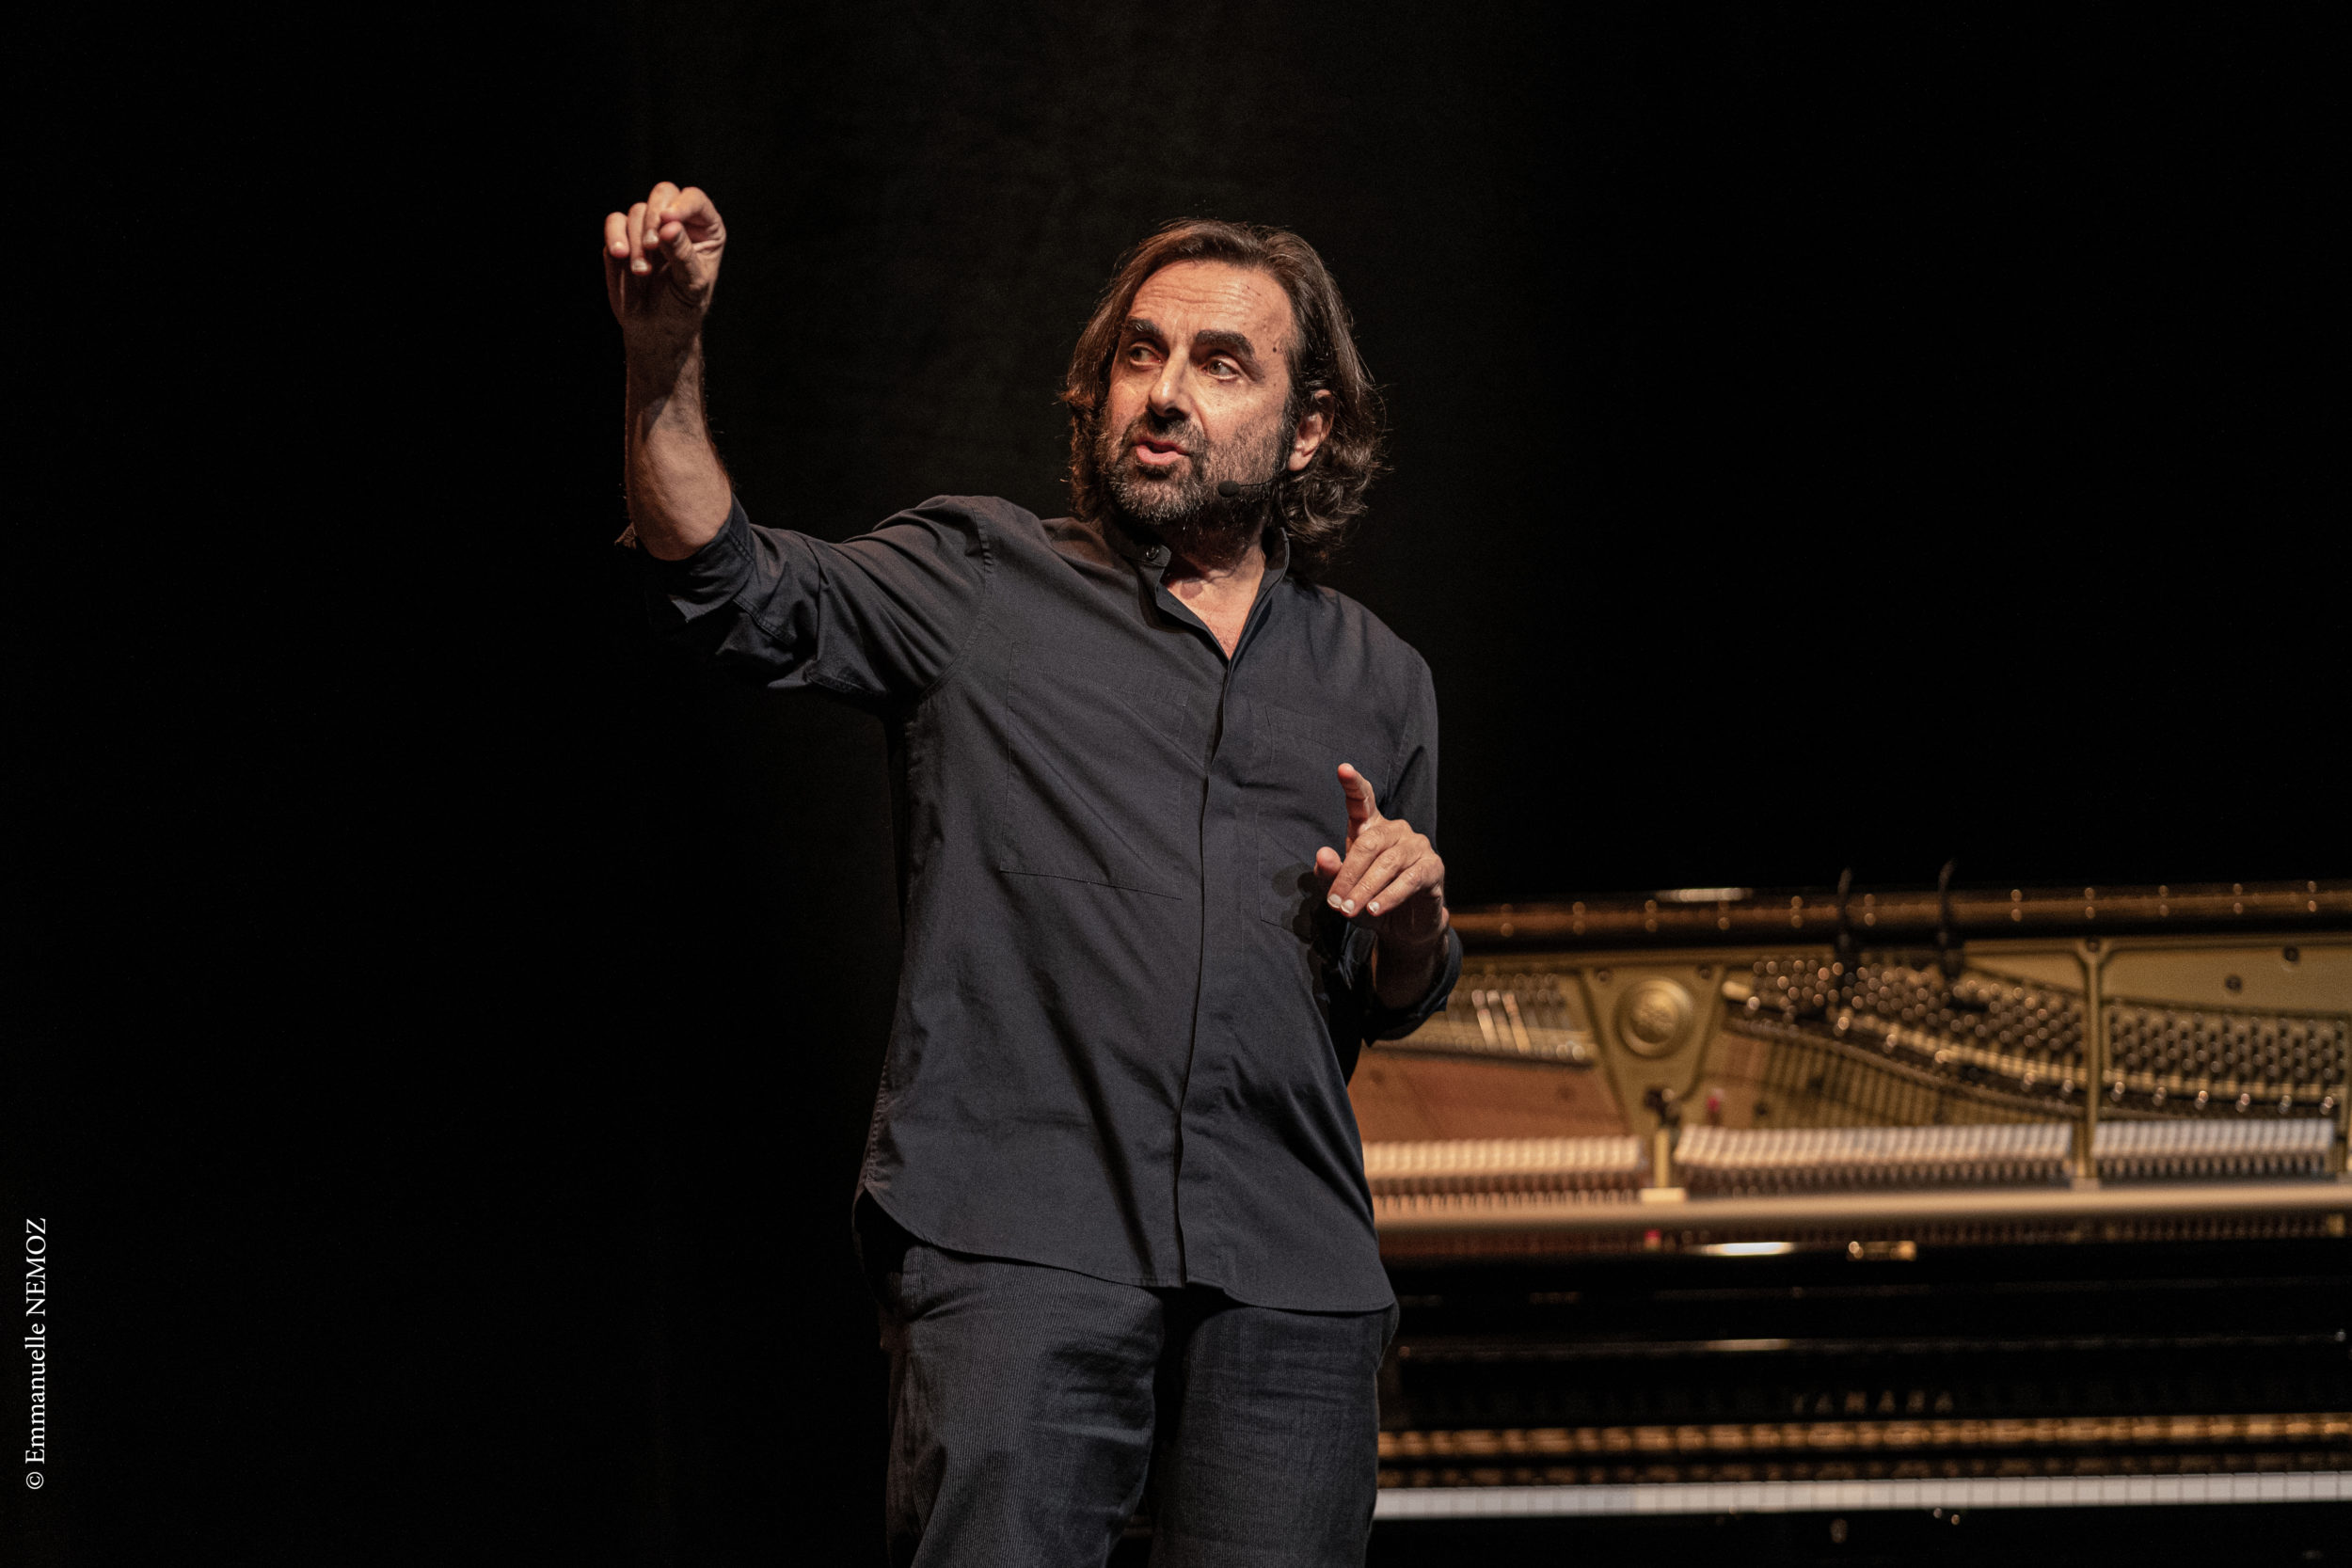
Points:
[(1099, 784), (1301, 808)]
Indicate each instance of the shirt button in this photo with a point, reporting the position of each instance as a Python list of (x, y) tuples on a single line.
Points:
[(1156, 556)]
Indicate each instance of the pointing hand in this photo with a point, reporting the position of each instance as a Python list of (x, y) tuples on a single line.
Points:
[(1391, 876)]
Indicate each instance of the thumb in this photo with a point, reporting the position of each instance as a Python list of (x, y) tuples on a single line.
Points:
[(689, 270)]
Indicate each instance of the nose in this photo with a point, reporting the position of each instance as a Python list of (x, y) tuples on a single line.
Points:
[(1171, 399)]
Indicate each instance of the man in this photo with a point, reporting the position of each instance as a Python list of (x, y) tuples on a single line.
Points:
[(1113, 1199)]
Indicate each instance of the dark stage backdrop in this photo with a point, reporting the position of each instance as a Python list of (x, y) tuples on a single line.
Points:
[(444, 1024)]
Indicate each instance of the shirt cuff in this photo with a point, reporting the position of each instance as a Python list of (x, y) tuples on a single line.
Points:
[(1388, 1023)]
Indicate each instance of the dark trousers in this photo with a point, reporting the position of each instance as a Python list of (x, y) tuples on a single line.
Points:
[(1029, 1406)]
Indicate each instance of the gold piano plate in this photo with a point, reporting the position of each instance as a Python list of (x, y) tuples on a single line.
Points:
[(2077, 1064)]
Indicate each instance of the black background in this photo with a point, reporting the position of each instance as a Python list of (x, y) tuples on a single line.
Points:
[(442, 1026)]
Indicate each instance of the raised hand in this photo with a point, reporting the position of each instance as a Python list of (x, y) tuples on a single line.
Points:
[(1391, 876), (660, 265)]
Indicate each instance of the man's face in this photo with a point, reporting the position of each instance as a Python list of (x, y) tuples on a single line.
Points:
[(1198, 390)]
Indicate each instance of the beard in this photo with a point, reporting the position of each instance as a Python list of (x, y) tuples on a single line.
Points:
[(1181, 504)]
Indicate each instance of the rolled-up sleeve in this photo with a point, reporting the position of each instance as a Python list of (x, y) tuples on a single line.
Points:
[(880, 617)]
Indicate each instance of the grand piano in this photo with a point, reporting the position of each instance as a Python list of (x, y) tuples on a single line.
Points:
[(1914, 1222)]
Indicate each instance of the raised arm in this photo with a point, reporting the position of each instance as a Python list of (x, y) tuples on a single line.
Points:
[(877, 618), (660, 265)]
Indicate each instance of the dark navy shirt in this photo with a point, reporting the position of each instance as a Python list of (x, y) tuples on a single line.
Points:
[(1126, 1018)]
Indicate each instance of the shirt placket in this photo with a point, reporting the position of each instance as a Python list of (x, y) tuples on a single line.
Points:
[(1226, 870)]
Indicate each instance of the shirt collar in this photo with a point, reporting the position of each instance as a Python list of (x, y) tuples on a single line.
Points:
[(1277, 541), (1133, 543), (1151, 556)]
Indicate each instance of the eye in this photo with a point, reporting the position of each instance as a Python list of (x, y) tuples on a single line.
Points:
[(1222, 367), (1138, 353)]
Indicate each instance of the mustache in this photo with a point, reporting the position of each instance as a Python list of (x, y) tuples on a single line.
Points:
[(1179, 433)]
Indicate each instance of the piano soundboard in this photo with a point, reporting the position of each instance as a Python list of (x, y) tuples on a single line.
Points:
[(1724, 1201)]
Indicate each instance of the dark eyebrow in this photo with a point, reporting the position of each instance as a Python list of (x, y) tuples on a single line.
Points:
[(1144, 326), (1234, 344)]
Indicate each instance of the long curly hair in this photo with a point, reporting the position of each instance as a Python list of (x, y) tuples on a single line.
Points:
[(1318, 505)]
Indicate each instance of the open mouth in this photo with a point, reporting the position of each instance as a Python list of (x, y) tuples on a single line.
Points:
[(1157, 453)]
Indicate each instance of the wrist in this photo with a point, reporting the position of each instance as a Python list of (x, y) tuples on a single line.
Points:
[(658, 370), (1403, 969)]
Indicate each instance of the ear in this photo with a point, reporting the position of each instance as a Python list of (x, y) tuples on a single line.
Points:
[(1313, 425)]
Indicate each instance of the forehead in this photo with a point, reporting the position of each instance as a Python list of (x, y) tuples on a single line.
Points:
[(1188, 297)]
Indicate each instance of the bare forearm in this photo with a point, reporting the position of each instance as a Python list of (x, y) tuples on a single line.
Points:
[(678, 495)]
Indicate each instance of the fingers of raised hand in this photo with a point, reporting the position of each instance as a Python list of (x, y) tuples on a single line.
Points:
[(1328, 865), (634, 237), (634, 229), (615, 259), (690, 219), (656, 213)]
